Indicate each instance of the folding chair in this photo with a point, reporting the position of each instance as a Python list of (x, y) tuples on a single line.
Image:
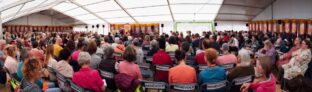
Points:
[(147, 73), (201, 67), (106, 74), (14, 82), (76, 88), (51, 70), (62, 82), (149, 59), (153, 85), (118, 56), (190, 60), (238, 82), (146, 70), (221, 86), (228, 67), (172, 56), (183, 87), (146, 47), (144, 66), (164, 68), (52, 73)]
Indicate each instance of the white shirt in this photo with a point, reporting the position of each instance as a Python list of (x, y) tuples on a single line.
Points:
[(11, 64), (65, 69)]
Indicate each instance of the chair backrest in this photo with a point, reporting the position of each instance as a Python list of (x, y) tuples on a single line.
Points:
[(60, 77), (190, 60), (12, 76), (149, 58), (154, 85), (214, 86), (228, 66), (146, 47), (162, 67), (145, 52), (145, 66), (75, 87), (241, 80), (202, 67), (183, 87), (172, 55), (51, 70), (106, 74), (117, 54)]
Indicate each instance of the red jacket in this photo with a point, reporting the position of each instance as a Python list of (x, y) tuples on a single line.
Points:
[(161, 58), (200, 59), (265, 86)]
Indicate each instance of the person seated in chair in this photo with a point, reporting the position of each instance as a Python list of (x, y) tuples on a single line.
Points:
[(265, 80), (227, 57), (213, 73), (181, 73), (243, 66), (161, 58), (87, 77)]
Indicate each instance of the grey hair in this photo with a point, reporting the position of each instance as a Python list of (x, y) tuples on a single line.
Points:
[(108, 52), (244, 56), (154, 44), (84, 58)]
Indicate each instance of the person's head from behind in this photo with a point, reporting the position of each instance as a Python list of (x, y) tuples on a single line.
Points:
[(154, 44), (263, 67), (305, 44), (106, 39), (98, 42), (185, 46), (58, 41), (188, 39), (84, 58), (92, 47), (297, 41), (147, 38), (211, 56), (117, 40), (267, 44), (64, 54), (243, 58), (172, 40), (129, 54), (32, 69), (162, 42), (205, 44), (197, 35), (136, 42), (179, 55), (81, 44), (10, 51), (2, 44), (130, 38), (24, 54), (225, 48), (108, 52), (35, 44)]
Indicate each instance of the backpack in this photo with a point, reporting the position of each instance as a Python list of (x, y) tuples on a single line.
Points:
[(126, 83)]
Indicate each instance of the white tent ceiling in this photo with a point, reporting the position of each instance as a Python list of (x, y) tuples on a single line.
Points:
[(117, 11)]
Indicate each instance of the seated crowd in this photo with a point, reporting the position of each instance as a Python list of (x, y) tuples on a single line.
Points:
[(73, 62)]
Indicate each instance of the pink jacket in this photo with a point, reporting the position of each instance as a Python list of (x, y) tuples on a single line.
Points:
[(265, 86)]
